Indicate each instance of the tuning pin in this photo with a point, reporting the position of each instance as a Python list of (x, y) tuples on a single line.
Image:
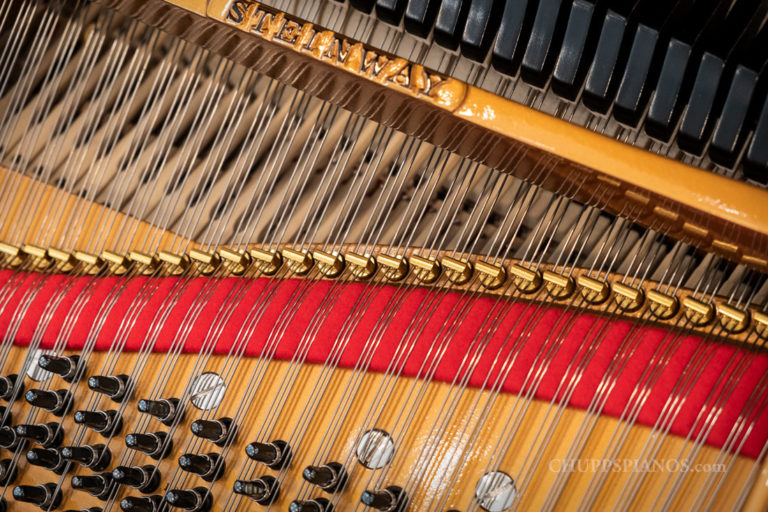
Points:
[(275, 455), (63, 366), (165, 409), (46, 496), (197, 499), (106, 423), (216, 431), (144, 478), (8, 472), (48, 458), (209, 466), (96, 485), (46, 434), (8, 438), (56, 402), (313, 505), (391, 498), (7, 385), (143, 504), (156, 445), (96, 457), (263, 491), (329, 477), (115, 387)]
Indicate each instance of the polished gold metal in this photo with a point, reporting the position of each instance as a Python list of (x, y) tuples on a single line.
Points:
[(299, 262), (394, 268), (238, 261), (761, 324), (149, 263), (64, 261), (662, 305), (266, 262), (117, 264), (42, 260), (527, 281), (458, 272), (207, 262), (426, 271), (627, 298), (11, 255), (733, 320), (491, 276), (91, 263), (175, 264), (594, 292), (697, 312), (362, 267), (330, 265), (558, 286)]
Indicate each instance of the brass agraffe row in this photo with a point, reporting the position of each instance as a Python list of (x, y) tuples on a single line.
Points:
[(540, 284)]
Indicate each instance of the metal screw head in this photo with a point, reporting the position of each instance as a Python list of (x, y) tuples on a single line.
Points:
[(34, 371), (375, 449), (495, 491), (207, 391)]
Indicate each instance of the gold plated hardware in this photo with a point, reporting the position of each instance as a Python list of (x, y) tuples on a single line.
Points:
[(426, 271), (761, 324), (491, 276), (593, 291), (208, 262), (298, 262), (697, 312), (458, 272), (117, 264), (267, 262), (627, 298), (44, 260), (558, 286), (238, 261), (176, 264), (733, 320), (330, 265), (12, 256), (394, 268), (92, 263), (662, 305), (362, 267), (149, 262), (526, 280), (66, 260)]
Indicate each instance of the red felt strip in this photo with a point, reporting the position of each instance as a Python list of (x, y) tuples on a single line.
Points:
[(522, 336)]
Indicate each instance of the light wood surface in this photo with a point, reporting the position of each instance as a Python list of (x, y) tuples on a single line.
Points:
[(470, 460)]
